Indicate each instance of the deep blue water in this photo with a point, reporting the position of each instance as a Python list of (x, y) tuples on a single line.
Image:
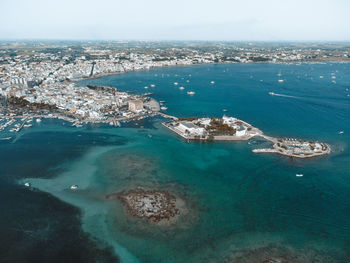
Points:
[(242, 207)]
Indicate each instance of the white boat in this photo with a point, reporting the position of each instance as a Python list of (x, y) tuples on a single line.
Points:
[(299, 175), (175, 83), (146, 87), (181, 88), (271, 93), (321, 77), (152, 85), (212, 82), (163, 108), (187, 81), (74, 187), (38, 120), (224, 110), (191, 92), (341, 132), (27, 184), (280, 80)]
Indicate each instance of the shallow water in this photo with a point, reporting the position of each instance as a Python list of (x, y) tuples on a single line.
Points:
[(241, 207)]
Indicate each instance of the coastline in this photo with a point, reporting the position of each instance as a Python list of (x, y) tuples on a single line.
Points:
[(214, 63)]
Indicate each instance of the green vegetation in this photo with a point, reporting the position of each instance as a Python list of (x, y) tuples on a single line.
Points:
[(22, 103), (216, 125)]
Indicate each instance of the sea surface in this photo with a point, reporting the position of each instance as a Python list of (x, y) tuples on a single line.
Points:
[(240, 206)]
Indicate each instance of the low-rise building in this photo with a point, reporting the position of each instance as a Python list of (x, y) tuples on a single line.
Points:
[(135, 105)]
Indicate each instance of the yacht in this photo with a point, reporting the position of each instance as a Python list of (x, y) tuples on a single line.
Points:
[(38, 120), (175, 83)]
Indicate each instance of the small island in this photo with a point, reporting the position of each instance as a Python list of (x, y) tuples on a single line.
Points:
[(233, 129), (155, 205), (296, 148), (213, 129)]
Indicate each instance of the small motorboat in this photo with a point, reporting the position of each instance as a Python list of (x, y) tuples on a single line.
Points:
[(27, 184), (341, 132), (299, 175), (152, 85), (280, 80), (191, 92), (74, 187), (181, 88), (175, 83), (212, 82)]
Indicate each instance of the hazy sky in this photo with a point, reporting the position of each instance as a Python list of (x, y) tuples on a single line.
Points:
[(301, 20)]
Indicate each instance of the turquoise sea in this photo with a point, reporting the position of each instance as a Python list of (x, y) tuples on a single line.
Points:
[(240, 206)]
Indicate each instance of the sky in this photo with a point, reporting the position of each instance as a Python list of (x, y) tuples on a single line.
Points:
[(230, 20)]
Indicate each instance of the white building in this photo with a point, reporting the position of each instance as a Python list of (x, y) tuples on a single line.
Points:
[(188, 127)]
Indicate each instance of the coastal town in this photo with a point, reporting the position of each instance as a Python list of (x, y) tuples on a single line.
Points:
[(38, 80)]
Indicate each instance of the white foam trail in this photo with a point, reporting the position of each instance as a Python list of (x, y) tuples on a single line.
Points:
[(287, 96)]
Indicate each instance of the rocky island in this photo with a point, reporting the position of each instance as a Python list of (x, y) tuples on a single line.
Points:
[(156, 206)]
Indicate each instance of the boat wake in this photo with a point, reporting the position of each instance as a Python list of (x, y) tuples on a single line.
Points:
[(283, 95)]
